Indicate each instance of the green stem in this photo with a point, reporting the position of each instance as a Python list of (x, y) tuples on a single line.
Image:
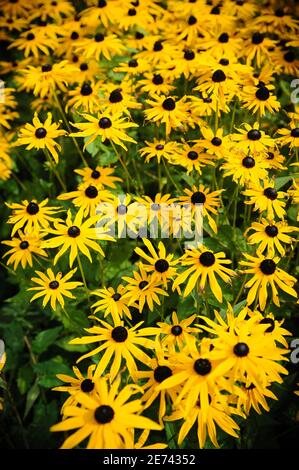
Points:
[(15, 409), (207, 302), (18, 181), (235, 210), (233, 117), (82, 273), (216, 116), (128, 176), (52, 167), (65, 120), (240, 291), (170, 177)]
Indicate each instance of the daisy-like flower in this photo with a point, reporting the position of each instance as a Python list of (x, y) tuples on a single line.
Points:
[(85, 96), (157, 208), (87, 197), (119, 342), (245, 169), (167, 110), (100, 46), (257, 47), (41, 135), (178, 334), (33, 44), (260, 99), (54, 287), (209, 202), (75, 385), (203, 264), (214, 142), (266, 199), (219, 411), (106, 418), (265, 272), (275, 160), (119, 99), (43, 79), (252, 139), (76, 236), (105, 125), (33, 215), (112, 302), (290, 136), (159, 149), (269, 235), (191, 158), (161, 265), (246, 352), (155, 84), (143, 290), (215, 81), (22, 248), (274, 327), (254, 396), (99, 176)]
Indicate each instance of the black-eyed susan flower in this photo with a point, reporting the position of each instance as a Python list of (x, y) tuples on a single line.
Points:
[(85, 97), (31, 214), (100, 45), (178, 333), (77, 236), (119, 99), (87, 197), (23, 248), (245, 169), (74, 385), (43, 79), (54, 287), (209, 201), (255, 396), (167, 110), (191, 157), (214, 143), (101, 176), (200, 266), (257, 47), (119, 343), (159, 149), (155, 84), (289, 136), (107, 126), (113, 302), (269, 235), (252, 139), (159, 263), (143, 290), (260, 99), (34, 44), (41, 135), (106, 418), (265, 272), (266, 198)]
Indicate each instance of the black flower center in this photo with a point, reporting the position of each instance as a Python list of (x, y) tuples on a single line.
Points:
[(289, 56), (158, 46), (241, 349), (132, 12), (87, 385), (254, 134), (54, 285), (116, 96), (157, 79), (270, 322), (176, 330), (257, 38), (198, 198), (73, 231), (142, 284), (168, 104), (24, 245), (279, 13), (133, 63), (40, 133), (116, 297), (161, 265), (102, 3), (162, 373), (192, 20), (95, 174), (189, 55), (271, 231), (74, 35), (218, 76), (215, 11), (268, 266), (139, 35), (262, 93), (105, 123), (32, 208), (119, 334), (270, 193), (224, 61), (99, 37), (83, 67), (47, 68), (270, 156), (192, 155), (224, 37), (30, 37), (207, 258), (202, 366), (91, 192), (248, 162), (122, 209), (159, 147), (250, 387), (216, 141), (86, 89), (295, 132), (207, 100), (104, 414)]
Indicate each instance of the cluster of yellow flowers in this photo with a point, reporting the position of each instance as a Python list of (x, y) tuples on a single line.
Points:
[(155, 96)]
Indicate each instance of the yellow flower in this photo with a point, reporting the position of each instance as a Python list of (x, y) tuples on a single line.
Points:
[(167, 110), (23, 247)]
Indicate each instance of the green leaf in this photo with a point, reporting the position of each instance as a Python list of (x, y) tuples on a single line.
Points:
[(25, 378), (32, 396), (282, 181), (47, 370), (44, 339)]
